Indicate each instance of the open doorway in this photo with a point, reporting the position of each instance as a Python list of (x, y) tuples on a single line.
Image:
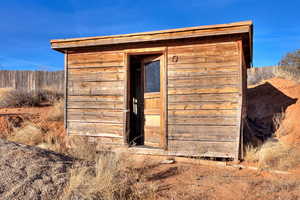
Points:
[(145, 100)]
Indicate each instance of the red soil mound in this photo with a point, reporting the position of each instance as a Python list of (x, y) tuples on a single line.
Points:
[(276, 96), (14, 117)]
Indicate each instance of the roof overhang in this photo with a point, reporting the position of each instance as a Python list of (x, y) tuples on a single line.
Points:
[(245, 28)]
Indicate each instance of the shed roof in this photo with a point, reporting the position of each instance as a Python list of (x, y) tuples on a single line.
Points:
[(244, 27)]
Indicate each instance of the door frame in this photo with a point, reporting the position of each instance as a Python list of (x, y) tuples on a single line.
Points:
[(163, 94)]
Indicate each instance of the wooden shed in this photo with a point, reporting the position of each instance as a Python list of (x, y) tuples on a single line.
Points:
[(171, 92)]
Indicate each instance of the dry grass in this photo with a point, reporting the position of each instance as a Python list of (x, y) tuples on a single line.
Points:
[(272, 189), (54, 142), (110, 177), (57, 114), (278, 120), (274, 155), (251, 153), (4, 91), (29, 134), (81, 148), (36, 135)]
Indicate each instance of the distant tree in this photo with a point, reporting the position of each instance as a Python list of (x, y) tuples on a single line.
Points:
[(291, 59)]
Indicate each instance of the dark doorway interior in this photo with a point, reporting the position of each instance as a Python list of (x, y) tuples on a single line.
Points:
[(136, 102)]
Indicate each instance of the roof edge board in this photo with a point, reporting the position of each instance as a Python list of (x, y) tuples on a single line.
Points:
[(99, 41), (235, 24)]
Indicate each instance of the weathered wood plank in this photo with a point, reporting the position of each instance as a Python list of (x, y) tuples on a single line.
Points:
[(178, 113), (202, 64), (100, 77), (204, 81), (96, 104), (203, 120), (216, 48), (217, 97), (95, 55), (152, 120), (203, 147), (152, 104), (94, 128), (203, 105), (219, 137), (186, 59), (112, 112), (99, 98), (215, 89), (95, 59), (202, 71), (96, 115), (84, 117), (202, 129), (95, 88), (80, 87), (78, 71)]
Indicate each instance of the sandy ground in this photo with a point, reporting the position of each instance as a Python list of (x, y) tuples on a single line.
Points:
[(31, 173)]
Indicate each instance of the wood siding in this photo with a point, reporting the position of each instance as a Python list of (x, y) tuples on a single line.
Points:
[(95, 95), (204, 99)]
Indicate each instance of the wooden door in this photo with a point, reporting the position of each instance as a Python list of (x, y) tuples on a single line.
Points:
[(152, 69)]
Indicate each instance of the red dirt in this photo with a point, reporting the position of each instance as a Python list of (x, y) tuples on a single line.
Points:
[(14, 117)]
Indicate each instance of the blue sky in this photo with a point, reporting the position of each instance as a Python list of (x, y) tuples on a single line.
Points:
[(26, 27)]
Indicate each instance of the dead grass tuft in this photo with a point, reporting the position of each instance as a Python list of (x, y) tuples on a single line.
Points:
[(57, 114), (251, 153), (110, 178), (29, 134), (274, 155), (81, 148)]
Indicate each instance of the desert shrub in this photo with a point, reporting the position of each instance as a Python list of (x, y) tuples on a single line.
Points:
[(29, 134), (288, 72), (256, 75), (50, 96), (19, 98), (23, 98), (57, 113), (291, 59)]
